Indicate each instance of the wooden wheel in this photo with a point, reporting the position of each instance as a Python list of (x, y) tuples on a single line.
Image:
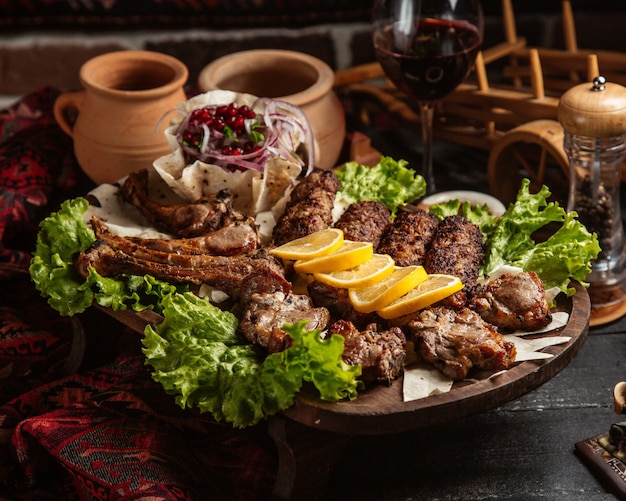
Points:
[(533, 150)]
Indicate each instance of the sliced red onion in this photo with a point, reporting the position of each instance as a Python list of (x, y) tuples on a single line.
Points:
[(281, 120)]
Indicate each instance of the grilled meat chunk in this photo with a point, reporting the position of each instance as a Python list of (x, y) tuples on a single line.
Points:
[(266, 314), (364, 222), (182, 220), (336, 301), (237, 238), (309, 208), (237, 276), (380, 354), (409, 237), (456, 249), (513, 301), (455, 341)]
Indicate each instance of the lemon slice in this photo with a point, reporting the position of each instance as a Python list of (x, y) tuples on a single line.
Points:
[(369, 273), (349, 255), (397, 284), (311, 246), (435, 288)]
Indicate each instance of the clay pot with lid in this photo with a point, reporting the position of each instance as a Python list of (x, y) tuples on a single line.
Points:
[(122, 111), (294, 77)]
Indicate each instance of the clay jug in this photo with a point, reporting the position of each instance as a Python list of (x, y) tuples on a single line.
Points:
[(295, 77), (122, 111)]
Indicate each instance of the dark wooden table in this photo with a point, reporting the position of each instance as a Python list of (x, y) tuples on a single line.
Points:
[(522, 450)]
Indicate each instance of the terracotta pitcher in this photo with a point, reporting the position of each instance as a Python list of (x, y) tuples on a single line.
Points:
[(122, 111), (295, 77)]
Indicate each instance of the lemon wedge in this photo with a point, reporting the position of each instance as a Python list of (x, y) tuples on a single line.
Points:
[(349, 255), (435, 288), (311, 246), (369, 273), (397, 284)]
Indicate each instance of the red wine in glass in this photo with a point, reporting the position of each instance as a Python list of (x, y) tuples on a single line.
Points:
[(427, 48), (434, 61)]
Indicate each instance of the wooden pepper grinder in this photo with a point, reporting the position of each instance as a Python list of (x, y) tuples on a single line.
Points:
[(593, 116)]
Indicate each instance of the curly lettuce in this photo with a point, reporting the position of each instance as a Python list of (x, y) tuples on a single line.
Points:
[(218, 372), (389, 182), (565, 255)]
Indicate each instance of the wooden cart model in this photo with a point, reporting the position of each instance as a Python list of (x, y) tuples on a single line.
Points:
[(515, 120)]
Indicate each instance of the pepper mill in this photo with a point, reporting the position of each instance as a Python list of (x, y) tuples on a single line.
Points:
[(593, 116)]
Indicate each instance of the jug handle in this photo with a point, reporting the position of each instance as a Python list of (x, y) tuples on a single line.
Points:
[(65, 102)]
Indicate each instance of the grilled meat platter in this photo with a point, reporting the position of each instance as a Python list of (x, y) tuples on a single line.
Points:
[(215, 254)]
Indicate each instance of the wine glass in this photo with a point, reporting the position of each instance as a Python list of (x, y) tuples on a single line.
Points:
[(427, 48)]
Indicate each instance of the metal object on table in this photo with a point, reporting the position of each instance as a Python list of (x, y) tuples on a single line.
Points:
[(595, 142)]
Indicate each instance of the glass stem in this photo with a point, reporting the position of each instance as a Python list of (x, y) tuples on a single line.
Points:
[(426, 115)]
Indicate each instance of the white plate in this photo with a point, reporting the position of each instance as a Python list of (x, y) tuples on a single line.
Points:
[(474, 197)]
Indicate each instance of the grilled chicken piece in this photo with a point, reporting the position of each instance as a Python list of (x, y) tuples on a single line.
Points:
[(380, 354), (265, 315), (455, 341), (456, 249), (237, 276), (513, 301), (237, 238), (364, 222), (182, 220), (409, 237), (309, 208)]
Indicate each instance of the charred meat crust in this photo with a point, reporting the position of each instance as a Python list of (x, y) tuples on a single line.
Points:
[(309, 208), (456, 249), (364, 222), (409, 237)]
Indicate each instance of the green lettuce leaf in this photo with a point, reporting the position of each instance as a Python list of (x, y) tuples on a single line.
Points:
[(61, 236), (389, 182), (197, 356), (566, 255)]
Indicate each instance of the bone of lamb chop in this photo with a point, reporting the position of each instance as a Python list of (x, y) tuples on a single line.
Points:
[(513, 301), (183, 220), (381, 354), (455, 341), (266, 314)]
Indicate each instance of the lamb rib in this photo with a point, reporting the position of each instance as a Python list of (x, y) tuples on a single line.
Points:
[(237, 276), (237, 238)]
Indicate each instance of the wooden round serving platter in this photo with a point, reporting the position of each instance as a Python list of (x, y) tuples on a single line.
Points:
[(381, 409)]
